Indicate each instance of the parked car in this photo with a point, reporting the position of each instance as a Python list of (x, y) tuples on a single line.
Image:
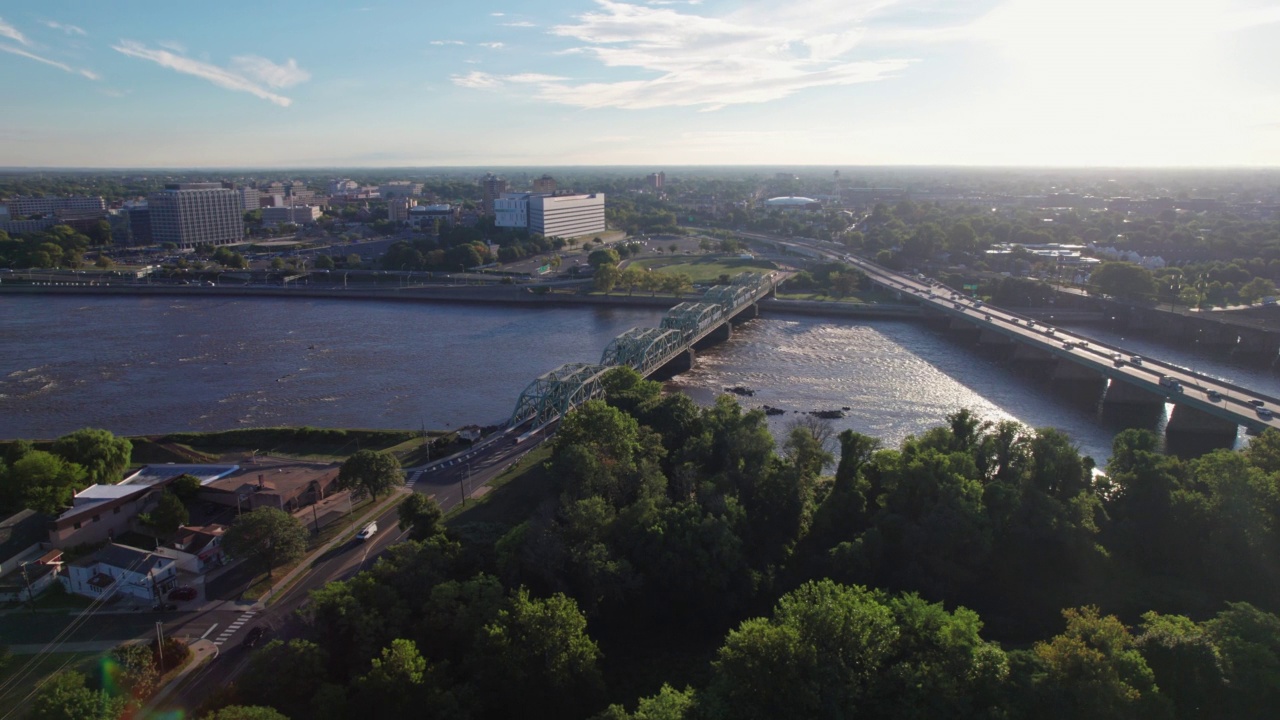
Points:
[(186, 592)]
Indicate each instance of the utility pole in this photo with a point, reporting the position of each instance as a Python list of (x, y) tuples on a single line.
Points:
[(31, 598), (315, 517), (160, 641)]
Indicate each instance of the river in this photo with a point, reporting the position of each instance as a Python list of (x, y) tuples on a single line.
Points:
[(140, 365)]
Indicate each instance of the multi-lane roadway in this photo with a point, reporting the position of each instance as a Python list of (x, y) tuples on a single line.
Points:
[(1179, 385)]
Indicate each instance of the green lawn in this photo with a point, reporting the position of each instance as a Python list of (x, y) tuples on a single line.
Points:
[(513, 495), (11, 696), (706, 269)]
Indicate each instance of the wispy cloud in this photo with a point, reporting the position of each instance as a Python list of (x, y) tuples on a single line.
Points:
[(759, 53), (519, 23), (52, 63), (250, 75), (477, 79), (173, 45), (493, 45), (447, 42), (68, 29), (497, 14), (11, 32), (269, 73)]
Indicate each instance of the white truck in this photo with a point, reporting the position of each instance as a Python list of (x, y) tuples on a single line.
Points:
[(367, 531)]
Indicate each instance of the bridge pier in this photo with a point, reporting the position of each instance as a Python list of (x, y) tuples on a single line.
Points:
[(1189, 420), (748, 312), (993, 338), (722, 333), (1120, 392), (679, 363)]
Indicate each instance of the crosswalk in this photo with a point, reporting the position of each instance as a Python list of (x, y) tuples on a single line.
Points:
[(233, 627), (412, 478)]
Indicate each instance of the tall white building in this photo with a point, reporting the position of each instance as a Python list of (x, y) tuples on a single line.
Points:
[(189, 214), (566, 215), (512, 210)]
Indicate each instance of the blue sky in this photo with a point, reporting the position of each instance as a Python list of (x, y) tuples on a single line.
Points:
[(640, 82)]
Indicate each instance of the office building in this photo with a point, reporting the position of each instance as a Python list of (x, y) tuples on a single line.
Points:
[(27, 206), (491, 188), (545, 185), (656, 180), (296, 214), (398, 208), (190, 214), (400, 189), (425, 216), (249, 198), (566, 215)]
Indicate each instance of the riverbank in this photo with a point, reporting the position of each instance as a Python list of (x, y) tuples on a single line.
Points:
[(512, 295)]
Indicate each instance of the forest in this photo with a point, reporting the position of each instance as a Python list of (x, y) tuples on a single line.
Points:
[(682, 565)]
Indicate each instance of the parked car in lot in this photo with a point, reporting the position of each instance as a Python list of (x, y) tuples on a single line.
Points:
[(186, 592)]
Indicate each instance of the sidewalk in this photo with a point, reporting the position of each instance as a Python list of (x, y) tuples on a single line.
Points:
[(202, 652)]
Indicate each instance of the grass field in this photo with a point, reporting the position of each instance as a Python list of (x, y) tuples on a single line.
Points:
[(707, 269), (16, 689)]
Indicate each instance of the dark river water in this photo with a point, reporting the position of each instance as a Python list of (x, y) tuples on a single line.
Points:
[(151, 365)]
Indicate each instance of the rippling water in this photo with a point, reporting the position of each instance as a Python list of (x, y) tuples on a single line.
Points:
[(150, 365)]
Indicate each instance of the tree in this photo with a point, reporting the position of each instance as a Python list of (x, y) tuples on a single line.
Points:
[(169, 515), (103, 455), (185, 486), (370, 471), (816, 657), (266, 536), (631, 278), (1124, 280), (536, 659), (132, 672), (421, 515), (1256, 289), (99, 233), (44, 482), (284, 676), (324, 262), (604, 256), (606, 277), (1093, 670), (65, 697)]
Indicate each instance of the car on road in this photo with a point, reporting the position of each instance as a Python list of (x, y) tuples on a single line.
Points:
[(1214, 395), (186, 592), (1257, 403), (254, 637), (1067, 345), (1135, 359), (1265, 413), (1170, 382)]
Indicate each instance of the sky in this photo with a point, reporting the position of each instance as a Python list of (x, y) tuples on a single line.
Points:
[(640, 82)]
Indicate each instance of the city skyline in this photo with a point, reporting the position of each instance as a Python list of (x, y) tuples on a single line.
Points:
[(662, 82)]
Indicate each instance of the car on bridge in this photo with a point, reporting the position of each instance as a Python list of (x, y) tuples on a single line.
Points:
[(1213, 395), (1265, 413), (1171, 383), (1135, 359)]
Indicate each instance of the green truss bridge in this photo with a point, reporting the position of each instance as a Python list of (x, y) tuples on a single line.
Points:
[(646, 350)]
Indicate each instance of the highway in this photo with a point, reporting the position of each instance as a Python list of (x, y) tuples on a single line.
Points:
[(1182, 386)]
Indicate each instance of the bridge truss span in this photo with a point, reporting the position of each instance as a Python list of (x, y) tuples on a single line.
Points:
[(557, 392), (692, 319), (643, 349)]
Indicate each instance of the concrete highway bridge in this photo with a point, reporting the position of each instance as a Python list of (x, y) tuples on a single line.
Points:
[(1202, 404), (646, 350)]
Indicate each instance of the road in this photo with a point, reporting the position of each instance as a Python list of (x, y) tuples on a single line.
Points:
[(1178, 385)]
